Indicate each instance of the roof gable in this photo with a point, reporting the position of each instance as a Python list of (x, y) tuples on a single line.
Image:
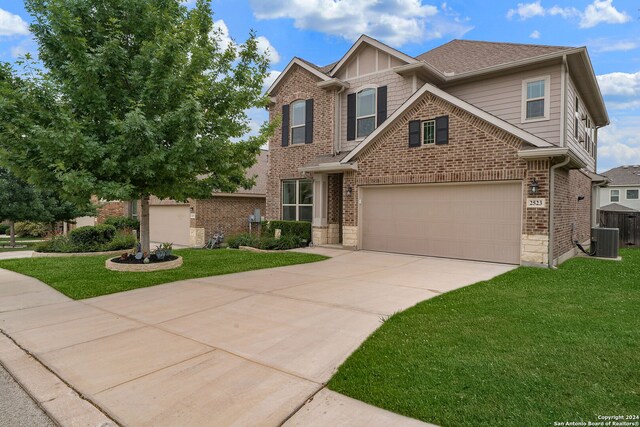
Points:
[(364, 39), (313, 69), (624, 175)]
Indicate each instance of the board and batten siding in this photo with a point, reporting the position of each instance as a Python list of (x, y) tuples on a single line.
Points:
[(572, 142), (502, 97)]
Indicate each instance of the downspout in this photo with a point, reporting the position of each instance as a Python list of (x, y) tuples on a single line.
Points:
[(563, 101), (337, 117), (552, 176)]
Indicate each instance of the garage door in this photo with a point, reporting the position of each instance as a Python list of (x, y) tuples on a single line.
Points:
[(473, 221), (169, 223)]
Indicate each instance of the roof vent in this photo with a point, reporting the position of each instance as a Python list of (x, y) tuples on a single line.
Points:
[(449, 73), (625, 167)]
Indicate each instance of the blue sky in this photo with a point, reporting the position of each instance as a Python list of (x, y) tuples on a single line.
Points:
[(322, 30)]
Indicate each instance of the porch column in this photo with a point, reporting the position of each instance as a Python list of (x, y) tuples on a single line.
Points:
[(320, 203)]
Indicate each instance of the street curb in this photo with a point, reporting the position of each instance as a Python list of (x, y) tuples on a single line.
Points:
[(59, 401)]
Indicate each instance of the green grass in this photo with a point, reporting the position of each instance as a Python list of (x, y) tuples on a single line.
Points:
[(528, 348), (85, 277)]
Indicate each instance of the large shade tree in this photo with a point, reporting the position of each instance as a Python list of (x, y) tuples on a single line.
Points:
[(136, 98)]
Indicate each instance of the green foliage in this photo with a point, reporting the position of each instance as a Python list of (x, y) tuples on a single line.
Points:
[(4, 228), (66, 244), (31, 229), (266, 242), (90, 237), (123, 222), (301, 229), (246, 239), (19, 201)]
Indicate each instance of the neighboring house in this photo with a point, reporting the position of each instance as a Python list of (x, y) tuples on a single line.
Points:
[(622, 190), (473, 150), (193, 222)]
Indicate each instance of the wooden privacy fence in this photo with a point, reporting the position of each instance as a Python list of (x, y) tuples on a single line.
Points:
[(627, 222)]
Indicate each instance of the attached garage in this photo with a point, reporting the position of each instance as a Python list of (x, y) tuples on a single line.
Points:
[(169, 223), (468, 221)]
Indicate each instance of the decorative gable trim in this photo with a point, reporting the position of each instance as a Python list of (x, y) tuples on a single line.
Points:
[(375, 43), (304, 65)]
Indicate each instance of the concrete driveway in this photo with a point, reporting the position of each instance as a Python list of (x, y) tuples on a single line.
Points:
[(241, 349)]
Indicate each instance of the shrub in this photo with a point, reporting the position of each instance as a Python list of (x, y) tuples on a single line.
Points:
[(89, 237), (4, 228), (123, 222), (243, 240), (56, 244), (31, 229), (301, 229), (121, 241)]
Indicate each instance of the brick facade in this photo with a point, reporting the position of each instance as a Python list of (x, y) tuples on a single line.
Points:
[(108, 209), (285, 161), (572, 217), (225, 213)]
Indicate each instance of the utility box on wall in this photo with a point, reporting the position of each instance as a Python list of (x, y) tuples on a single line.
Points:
[(606, 241)]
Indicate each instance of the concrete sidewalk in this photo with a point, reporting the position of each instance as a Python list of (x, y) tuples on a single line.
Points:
[(241, 349)]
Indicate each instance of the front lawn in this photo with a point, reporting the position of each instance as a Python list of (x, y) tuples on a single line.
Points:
[(86, 277), (528, 348)]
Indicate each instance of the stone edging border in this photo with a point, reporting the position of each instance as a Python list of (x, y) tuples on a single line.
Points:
[(61, 254), (169, 265)]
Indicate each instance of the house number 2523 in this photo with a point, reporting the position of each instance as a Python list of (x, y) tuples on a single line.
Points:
[(536, 203)]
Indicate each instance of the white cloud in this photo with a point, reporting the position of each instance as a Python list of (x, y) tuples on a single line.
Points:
[(265, 46), (600, 11), (605, 45), (619, 143), (535, 34), (12, 25), (620, 84), (396, 22)]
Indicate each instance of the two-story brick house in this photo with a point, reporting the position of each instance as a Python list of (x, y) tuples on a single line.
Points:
[(472, 150)]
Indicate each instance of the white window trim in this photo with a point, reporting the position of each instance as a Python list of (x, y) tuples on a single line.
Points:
[(631, 189), (297, 204), (292, 127), (375, 107), (611, 196), (547, 99), (422, 124)]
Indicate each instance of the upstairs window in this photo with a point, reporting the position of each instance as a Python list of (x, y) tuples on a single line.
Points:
[(535, 99), (576, 119), (429, 132), (614, 196), (298, 114), (632, 194), (365, 112)]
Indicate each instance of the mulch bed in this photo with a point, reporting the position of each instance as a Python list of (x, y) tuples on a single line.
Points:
[(152, 260)]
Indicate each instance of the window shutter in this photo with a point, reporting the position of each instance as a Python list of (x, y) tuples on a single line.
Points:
[(285, 125), (382, 104), (351, 117), (442, 130), (308, 122), (414, 133)]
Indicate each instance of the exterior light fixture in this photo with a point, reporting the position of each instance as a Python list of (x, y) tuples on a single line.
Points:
[(580, 198), (349, 191), (534, 186)]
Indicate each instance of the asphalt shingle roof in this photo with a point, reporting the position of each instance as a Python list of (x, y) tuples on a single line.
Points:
[(615, 207), (624, 175), (461, 56)]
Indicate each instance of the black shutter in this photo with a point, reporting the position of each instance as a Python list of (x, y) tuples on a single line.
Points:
[(382, 104), (442, 130), (285, 125), (308, 122), (414, 133), (351, 117)]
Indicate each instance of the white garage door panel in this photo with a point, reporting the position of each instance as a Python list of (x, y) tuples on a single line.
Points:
[(169, 223), (477, 221)]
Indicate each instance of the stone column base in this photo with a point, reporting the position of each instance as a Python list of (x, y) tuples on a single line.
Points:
[(350, 236), (196, 237), (319, 235), (333, 234), (535, 249)]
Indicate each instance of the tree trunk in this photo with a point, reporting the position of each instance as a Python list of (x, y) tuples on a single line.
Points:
[(144, 224), (12, 233)]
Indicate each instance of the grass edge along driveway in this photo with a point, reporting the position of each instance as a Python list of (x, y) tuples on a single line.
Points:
[(86, 277), (528, 348)]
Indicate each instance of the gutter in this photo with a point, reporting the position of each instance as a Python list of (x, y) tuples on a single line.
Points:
[(552, 176), (563, 101)]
